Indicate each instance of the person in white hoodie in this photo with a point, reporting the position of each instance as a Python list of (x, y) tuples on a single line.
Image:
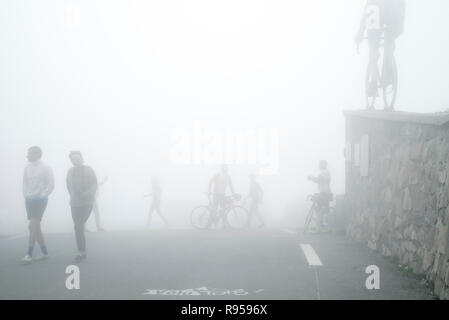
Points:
[(38, 183)]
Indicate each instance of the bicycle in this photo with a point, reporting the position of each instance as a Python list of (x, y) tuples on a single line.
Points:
[(313, 215), (233, 215), (376, 75)]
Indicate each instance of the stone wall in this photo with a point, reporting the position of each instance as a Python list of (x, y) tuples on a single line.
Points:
[(400, 207)]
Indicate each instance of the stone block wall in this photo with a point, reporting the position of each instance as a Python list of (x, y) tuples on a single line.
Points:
[(400, 208)]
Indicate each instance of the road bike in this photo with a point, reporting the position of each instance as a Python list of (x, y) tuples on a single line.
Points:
[(228, 212), (381, 74)]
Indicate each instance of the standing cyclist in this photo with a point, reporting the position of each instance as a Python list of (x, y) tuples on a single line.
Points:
[(217, 189), (324, 196)]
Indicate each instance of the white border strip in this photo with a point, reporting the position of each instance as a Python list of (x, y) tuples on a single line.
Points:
[(311, 256)]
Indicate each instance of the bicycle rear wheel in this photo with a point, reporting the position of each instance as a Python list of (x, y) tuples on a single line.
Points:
[(390, 90), (201, 217), (237, 217)]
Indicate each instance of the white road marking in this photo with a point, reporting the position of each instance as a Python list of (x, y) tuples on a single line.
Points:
[(311, 256), (314, 261), (317, 283), (289, 231)]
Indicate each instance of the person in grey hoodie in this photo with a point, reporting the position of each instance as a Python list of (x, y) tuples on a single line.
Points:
[(82, 186)]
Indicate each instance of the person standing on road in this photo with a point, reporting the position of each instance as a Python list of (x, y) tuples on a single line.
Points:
[(255, 195), (82, 186), (156, 195), (38, 184), (217, 189), (324, 191)]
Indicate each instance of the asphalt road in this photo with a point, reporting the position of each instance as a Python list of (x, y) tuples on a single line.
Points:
[(190, 264)]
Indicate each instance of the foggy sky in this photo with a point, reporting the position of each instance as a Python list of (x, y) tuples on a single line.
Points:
[(115, 78)]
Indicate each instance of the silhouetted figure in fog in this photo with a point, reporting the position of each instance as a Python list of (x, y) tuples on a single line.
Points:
[(255, 196), (324, 192), (156, 195), (38, 183), (217, 189), (96, 208), (82, 186), (381, 19)]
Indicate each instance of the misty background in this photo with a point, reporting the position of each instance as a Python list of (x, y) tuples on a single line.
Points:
[(114, 79)]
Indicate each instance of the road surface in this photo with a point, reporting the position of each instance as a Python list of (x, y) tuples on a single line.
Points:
[(190, 264)]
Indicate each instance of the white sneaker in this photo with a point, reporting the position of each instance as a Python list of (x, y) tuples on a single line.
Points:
[(27, 259), (42, 257)]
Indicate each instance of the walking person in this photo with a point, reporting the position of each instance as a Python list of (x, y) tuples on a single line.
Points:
[(38, 184), (96, 208), (82, 186), (255, 196), (156, 201)]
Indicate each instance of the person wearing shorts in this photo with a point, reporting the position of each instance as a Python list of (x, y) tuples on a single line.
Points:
[(38, 184)]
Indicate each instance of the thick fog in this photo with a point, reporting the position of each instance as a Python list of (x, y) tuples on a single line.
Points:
[(149, 88)]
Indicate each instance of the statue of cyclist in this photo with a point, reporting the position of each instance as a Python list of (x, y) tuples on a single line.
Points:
[(381, 18)]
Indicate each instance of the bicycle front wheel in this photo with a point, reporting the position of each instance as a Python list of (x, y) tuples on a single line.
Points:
[(237, 217), (201, 217), (371, 86), (390, 90)]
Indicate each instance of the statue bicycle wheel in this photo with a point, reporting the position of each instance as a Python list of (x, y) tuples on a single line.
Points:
[(387, 81), (390, 88)]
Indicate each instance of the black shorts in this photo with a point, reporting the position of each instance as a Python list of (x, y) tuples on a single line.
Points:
[(35, 208)]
